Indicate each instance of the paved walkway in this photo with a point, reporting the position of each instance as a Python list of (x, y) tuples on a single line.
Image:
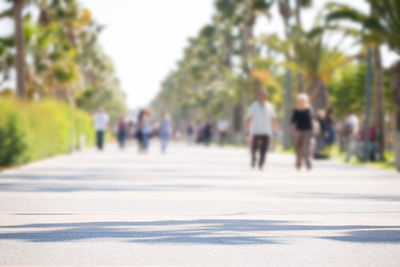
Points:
[(197, 207)]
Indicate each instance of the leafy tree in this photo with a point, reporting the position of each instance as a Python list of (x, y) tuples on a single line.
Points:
[(379, 27)]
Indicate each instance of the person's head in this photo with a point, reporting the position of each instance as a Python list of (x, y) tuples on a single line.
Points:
[(349, 113), (302, 101), (321, 114), (262, 96), (164, 114), (100, 110), (122, 118)]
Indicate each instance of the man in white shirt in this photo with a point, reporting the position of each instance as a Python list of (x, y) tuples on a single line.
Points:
[(261, 124), (352, 128), (100, 120)]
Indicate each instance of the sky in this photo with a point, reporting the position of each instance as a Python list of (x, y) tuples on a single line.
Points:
[(145, 38)]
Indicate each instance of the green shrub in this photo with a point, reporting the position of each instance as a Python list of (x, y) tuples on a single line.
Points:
[(31, 131)]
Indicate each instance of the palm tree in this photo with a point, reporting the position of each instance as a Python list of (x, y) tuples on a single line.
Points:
[(299, 5), (381, 26), (16, 9)]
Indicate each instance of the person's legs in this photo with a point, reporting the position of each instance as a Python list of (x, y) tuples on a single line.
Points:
[(145, 141), (119, 136), (121, 140), (306, 149), (224, 134), (297, 148), (351, 146), (264, 142), (99, 138), (254, 147), (164, 142)]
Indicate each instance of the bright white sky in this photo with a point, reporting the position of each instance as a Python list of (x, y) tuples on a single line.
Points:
[(145, 38)]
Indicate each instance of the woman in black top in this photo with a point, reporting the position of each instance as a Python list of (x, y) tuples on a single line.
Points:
[(302, 127)]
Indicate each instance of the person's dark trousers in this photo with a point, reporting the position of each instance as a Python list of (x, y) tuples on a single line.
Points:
[(100, 139), (121, 139), (260, 143)]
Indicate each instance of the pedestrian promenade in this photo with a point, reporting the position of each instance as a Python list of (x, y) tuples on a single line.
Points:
[(197, 206)]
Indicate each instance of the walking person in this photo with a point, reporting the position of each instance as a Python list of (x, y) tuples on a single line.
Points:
[(319, 151), (139, 130), (100, 119), (222, 128), (122, 132), (164, 131), (350, 132), (207, 133), (190, 133), (147, 129), (302, 124), (260, 124)]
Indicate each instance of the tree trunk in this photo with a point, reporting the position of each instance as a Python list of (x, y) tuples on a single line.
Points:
[(378, 103), (300, 77), (237, 122), (318, 94), (284, 9), (19, 43), (300, 83), (298, 13), (247, 43), (395, 84)]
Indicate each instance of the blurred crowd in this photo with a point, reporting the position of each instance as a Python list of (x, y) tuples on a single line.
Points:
[(313, 132)]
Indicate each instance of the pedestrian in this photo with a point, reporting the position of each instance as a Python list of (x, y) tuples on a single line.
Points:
[(260, 124), (371, 149), (122, 132), (350, 132), (320, 117), (190, 133), (139, 129), (222, 128), (100, 119), (164, 131), (207, 133), (329, 132), (147, 129), (302, 131)]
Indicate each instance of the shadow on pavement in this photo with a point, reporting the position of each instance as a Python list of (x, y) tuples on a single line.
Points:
[(369, 236), (213, 231)]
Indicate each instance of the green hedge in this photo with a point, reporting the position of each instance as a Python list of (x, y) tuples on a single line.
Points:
[(31, 131)]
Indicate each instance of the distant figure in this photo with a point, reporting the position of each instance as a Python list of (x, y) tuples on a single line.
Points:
[(350, 131), (302, 130), (261, 124), (139, 129), (164, 131), (122, 132), (190, 133), (222, 128), (147, 129), (100, 119), (371, 143), (207, 133), (320, 117), (329, 132)]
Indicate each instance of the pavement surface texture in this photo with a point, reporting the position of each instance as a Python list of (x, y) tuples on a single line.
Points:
[(196, 206)]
